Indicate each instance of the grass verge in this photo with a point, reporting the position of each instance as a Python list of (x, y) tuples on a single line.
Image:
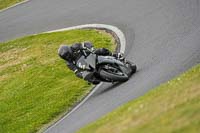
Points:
[(172, 107), (7, 3), (35, 84)]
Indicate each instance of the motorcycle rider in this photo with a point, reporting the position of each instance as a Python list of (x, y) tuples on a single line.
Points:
[(72, 53)]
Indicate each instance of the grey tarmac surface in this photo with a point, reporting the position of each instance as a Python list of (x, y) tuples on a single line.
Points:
[(163, 39)]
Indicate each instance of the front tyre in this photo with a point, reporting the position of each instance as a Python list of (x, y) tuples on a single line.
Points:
[(132, 66), (112, 74)]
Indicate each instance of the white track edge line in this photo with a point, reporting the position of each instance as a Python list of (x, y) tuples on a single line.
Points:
[(116, 30), (14, 5), (122, 42)]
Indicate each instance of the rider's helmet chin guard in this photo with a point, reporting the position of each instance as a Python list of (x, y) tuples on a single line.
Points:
[(65, 52)]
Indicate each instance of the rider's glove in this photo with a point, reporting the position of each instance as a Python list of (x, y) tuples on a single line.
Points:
[(119, 56)]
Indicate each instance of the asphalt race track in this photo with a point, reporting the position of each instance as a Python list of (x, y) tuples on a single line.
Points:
[(163, 38)]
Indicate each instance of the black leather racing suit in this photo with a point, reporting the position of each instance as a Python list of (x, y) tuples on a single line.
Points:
[(77, 53)]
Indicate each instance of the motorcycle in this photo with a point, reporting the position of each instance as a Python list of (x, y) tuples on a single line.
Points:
[(106, 68)]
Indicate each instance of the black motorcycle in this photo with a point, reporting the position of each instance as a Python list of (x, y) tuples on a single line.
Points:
[(106, 68)]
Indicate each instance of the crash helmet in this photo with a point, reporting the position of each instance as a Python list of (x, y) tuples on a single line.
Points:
[(65, 52)]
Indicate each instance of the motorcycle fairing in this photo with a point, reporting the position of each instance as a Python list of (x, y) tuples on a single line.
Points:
[(89, 61), (108, 60)]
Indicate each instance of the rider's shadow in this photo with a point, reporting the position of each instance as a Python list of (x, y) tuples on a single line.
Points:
[(105, 87)]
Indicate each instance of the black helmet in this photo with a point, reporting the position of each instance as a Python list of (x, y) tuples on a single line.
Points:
[(65, 52)]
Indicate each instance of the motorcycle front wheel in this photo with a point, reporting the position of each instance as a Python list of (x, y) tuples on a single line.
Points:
[(111, 74)]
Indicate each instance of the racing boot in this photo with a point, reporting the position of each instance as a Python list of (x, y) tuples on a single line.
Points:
[(94, 81)]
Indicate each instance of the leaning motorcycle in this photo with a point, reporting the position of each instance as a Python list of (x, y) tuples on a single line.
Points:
[(106, 68)]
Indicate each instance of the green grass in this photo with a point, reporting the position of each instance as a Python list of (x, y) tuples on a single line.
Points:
[(35, 85), (7, 3), (173, 107)]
